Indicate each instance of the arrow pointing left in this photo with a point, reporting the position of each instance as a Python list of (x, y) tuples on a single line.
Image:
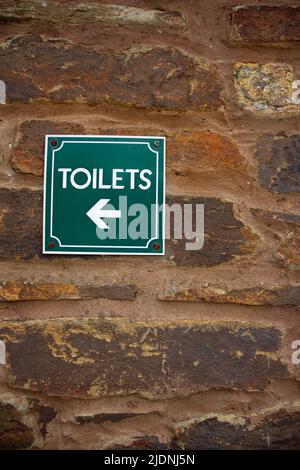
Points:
[(96, 213)]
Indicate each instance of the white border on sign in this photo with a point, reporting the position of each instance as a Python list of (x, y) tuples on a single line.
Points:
[(103, 246), (51, 197)]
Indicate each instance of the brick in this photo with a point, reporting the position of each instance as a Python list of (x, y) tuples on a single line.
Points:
[(258, 295), (277, 430), (28, 152), (285, 228), (78, 13), (265, 24), (20, 290), (265, 89), (23, 422), (225, 237), (158, 77), (278, 163), (93, 357)]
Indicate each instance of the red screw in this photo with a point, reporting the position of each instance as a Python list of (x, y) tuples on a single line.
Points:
[(51, 245), (53, 142), (156, 246)]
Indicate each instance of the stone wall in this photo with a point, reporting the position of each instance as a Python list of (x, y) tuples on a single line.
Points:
[(191, 350)]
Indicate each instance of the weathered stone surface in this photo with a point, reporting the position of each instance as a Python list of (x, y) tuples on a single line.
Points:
[(191, 152), (20, 290), (286, 230), (258, 295), (29, 147), (28, 152), (288, 250), (279, 430), (226, 375), (265, 89), (92, 357), (225, 237), (79, 13), (188, 152), (158, 77), (278, 163), (265, 24), (23, 422), (44, 414), (20, 223), (107, 417), (144, 443), (13, 433)]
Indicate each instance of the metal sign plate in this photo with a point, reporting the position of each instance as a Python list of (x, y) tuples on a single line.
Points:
[(104, 195)]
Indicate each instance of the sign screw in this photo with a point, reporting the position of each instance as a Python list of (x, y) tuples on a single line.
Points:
[(51, 245), (156, 246), (156, 143), (53, 142)]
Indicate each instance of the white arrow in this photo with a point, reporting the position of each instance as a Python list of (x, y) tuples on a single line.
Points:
[(96, 212)]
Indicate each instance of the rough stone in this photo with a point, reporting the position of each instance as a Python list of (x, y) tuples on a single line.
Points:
[(23, 422), (107, 417), (188, 152), (285, 228), (191, 152), (265, 24), (157, 77), (20, 223), (258, 295), (288, 250), (90, 357), (20, 290), (144, 443), (13, 433), (28, 152), (278, 161), (225, 238), (80, 13), (265, 89), (278, 430)]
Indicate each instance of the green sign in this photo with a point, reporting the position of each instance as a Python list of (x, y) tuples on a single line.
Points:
[(104, 195)]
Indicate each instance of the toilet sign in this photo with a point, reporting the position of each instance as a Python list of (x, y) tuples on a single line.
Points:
[(104, 195)]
